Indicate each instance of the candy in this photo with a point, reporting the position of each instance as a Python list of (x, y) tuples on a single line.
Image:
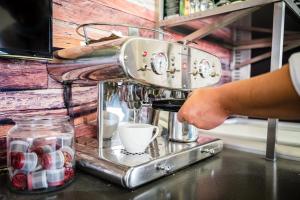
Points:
[(24, 161), (69, 173), (18, 146), (17, 160), (37, 180), (55, 177), (53, 160), (40, 142), (68, 153), (19, 181), (42, 149)]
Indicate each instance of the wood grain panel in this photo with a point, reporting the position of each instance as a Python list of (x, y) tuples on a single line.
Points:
[(149, 4), (83, 113), (65, 36), (222, 33), (11, 114), (53, 84), (85, 11), (44, 99), (85, 119), (4, 129), (2, 143), (143, 11), (85, 130), (213, 48), (82, 123), (20, 74), (130, 8)]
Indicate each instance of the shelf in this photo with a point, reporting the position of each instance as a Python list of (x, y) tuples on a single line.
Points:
[(294, 5), (183, 20), (213, 22)]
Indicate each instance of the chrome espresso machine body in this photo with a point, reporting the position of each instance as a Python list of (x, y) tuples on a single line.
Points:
[(132, 74)]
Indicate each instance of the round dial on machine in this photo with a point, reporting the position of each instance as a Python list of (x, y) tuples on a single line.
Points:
[(205, 68), (159, 63)]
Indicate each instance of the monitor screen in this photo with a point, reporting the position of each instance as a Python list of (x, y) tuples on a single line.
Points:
[(26, 28)]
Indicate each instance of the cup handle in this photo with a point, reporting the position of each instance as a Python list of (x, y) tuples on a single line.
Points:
[(155, 134)]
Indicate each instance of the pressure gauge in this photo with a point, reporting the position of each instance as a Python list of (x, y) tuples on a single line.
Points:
[(205, 69), (159, 63)]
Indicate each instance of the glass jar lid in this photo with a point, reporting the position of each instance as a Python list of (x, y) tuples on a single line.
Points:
[(41, 120)]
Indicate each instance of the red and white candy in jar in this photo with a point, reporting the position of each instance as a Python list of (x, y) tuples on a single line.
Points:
[(40, 154)]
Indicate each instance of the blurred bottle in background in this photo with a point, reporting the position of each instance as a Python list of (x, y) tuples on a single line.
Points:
[(186, 7), (206, 5), (171, 8)]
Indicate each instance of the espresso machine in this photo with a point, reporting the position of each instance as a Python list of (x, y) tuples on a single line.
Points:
[(140, 80)]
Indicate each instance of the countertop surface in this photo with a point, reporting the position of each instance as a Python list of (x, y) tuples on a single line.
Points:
[(230, 175)]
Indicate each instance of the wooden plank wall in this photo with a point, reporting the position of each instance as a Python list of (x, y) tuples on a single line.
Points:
[(25, 87)]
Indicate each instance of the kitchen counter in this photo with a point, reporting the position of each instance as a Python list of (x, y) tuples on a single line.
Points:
[(230, 175)]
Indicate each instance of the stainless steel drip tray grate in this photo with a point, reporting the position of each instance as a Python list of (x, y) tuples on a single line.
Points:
[(132, 170), (123, 151), (159, 148), (123, 157)]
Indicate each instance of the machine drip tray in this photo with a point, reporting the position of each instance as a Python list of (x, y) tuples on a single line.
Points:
[(163, 157)]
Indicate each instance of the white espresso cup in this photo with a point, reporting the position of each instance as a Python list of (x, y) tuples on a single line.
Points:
[(136, 137)]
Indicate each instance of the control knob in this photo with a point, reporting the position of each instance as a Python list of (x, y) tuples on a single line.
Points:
[(210, 151), (172, 70), (165, 168)]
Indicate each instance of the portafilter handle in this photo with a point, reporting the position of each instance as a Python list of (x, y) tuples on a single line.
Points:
[(170, 105), (178, 131)]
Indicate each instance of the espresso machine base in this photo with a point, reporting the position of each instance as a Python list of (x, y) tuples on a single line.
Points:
[(162, 158)]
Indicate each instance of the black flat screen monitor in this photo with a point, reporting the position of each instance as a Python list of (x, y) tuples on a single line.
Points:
[(26, 28)]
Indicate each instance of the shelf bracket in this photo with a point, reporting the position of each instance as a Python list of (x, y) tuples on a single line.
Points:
[(289, 46), (276, 63), (209, 28), (266, 42)]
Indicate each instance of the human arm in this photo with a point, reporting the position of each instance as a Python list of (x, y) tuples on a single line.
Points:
[(269, 95)]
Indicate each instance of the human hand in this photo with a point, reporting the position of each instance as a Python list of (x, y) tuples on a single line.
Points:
[(204, 109)]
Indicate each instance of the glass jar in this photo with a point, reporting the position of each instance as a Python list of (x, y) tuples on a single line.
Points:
[(40, 154)]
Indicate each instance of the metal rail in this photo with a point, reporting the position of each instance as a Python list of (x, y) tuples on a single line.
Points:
[(276, 63)]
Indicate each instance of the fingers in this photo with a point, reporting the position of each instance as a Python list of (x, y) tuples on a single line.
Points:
[(185, 115), (197, 122), (188, 114), (193, 120), (180, 115), (189, 94), (202, 109)]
